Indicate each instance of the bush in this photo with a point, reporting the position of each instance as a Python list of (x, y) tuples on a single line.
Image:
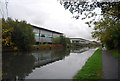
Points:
[(17, 34), (61, 40)]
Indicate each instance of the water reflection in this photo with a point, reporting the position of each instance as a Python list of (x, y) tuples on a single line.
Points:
[(79, 50), (46, 57), (19, 65), (30, 65), (62, 69)]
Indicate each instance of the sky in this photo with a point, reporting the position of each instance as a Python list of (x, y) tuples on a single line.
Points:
[(48, 14)]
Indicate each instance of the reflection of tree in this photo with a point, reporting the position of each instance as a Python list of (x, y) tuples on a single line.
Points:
[(79, 50), (61, 53), (17, 66)]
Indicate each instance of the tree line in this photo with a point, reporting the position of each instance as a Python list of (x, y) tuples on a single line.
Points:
[(107, 29), (62, 40), (17, 35)]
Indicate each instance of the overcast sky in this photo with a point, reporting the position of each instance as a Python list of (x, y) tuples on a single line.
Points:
[(48, 14)]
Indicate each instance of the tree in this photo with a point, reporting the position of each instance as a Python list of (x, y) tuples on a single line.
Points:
[(17, 34), (7, 34), (108, 32), (61, 40), (56, 40), (82, 6), (85, 9), (23, 35)]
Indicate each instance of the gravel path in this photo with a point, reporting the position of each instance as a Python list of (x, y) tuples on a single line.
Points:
[(110, 66)]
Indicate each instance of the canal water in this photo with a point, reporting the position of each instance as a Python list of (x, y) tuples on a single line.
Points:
[(54, 64)]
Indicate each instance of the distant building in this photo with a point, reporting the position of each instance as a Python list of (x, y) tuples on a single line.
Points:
[(79, 40), (45, 36)]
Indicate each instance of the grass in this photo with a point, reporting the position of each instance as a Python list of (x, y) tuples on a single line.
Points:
[(115, 53), (92, 68)]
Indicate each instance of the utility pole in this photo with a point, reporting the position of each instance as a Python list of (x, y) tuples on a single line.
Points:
[(1, 10), (6, 4), (4, 9)]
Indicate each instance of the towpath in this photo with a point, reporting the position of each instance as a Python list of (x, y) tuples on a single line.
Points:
[(110, 66)]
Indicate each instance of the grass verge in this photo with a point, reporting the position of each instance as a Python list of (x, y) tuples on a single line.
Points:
[(92, 68), (115, 53)]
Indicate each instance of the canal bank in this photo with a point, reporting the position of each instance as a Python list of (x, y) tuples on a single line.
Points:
[(92, 68), (62, 69), (52, 64)]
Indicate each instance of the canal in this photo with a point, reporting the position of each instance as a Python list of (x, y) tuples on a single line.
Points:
[(52, 64)]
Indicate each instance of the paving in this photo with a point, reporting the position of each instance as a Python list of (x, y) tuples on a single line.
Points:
[(110, 66)]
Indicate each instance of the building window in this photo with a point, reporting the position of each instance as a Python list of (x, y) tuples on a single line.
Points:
[(47, 36), (42, 35), (36, 34)]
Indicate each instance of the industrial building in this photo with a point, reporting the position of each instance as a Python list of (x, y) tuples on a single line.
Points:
[(79, 40), (44, 36)]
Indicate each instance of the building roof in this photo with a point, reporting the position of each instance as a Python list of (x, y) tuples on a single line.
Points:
[(46, 29), (79, 39)]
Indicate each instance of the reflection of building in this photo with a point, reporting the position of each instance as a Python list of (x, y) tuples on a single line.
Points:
[(44, 58), (43, 35), (79, 40), (79, 50)]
